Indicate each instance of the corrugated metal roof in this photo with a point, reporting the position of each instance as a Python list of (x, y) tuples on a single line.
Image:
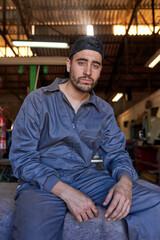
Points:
[(62, 20)]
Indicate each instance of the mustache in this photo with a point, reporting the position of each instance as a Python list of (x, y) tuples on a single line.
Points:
[(83, 77)]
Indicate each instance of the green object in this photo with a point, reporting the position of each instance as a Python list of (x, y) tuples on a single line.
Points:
[(20, 69), (45, 69), (32, 77)]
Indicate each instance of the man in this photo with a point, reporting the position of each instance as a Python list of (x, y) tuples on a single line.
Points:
[(57, 132)]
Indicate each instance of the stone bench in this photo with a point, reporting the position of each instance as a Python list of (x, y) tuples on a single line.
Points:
[(94, 229), (97, 228)]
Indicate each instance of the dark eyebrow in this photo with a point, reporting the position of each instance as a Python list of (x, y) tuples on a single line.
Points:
[(85, 59), (82, 59), (97, 62)]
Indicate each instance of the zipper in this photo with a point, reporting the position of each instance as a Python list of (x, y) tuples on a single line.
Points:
[(73, 123)]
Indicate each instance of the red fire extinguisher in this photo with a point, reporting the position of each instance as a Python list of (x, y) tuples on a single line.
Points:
[(3, 130)]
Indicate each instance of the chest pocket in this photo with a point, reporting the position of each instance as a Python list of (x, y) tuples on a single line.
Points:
[(91, 139)]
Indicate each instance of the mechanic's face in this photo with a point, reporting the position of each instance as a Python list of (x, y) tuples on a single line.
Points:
[(85, 68)]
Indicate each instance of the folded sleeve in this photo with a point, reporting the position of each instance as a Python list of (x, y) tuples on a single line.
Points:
[(24, 155)]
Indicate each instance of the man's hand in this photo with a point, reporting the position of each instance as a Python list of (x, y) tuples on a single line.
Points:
[(78, 203), (120, 196)]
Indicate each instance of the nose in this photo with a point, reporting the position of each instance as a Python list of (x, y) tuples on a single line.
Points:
[(88, 70)]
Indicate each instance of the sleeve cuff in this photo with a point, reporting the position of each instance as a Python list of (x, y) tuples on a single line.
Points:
[(50, 183), (121, 171), (124, 171)]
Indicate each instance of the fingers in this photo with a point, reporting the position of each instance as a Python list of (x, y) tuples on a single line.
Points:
[(86, 215), (108, 198), (84, 211), (79, 218), (123, 213), (120, 196), (112, 206), (90, 209), (95, 211), (90, 212), (118, 209)]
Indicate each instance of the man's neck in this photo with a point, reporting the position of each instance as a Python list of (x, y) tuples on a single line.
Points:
[(75, 97)]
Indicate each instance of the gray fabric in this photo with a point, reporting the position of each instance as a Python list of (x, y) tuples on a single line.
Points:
[(7, 192), (94, 229), (97, 228)]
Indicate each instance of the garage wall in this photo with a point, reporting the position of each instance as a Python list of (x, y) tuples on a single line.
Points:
[(137, 112), (12, 103)]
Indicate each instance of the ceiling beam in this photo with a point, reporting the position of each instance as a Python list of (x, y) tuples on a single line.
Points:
[(153, 16), (33, 60), (3, 33), (133, 15), (89, 8), (4, 17), (121, 49), (16, 3), (145, 20)]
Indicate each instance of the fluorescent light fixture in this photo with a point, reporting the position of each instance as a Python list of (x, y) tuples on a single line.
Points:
[(38, 44), (153, 60), (33, 29), (117, 97), (90, 30)]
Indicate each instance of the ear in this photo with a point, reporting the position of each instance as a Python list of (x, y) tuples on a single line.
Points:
[(68, 64)]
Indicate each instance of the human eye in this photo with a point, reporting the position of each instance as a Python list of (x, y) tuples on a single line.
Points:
[(81, 63), (95, 66)]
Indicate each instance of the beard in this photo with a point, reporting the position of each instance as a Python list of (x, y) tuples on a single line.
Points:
[(83, 87)]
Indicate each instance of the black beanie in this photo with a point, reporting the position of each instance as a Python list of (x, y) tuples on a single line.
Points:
[(87, 42)]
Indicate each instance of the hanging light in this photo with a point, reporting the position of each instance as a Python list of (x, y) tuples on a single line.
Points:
[(117, 97), (39, 44), (153, 60), (90, 30)]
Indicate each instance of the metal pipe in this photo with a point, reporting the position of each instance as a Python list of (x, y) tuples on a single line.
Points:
[(153, 17), (4, 16)]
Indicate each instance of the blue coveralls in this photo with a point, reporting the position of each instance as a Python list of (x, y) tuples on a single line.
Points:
[(51, 143)]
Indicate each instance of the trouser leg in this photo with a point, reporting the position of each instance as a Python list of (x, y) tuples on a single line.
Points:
[(39, 215), (95, 184), (144, 218)]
